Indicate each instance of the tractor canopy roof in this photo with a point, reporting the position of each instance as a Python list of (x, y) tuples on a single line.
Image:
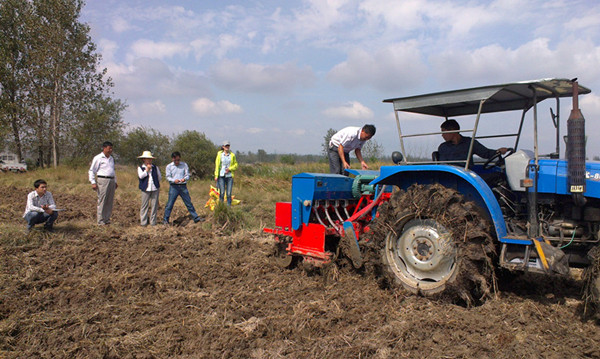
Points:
[(497, 98)]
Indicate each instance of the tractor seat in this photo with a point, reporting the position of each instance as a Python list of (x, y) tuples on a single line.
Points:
[(435, 156)]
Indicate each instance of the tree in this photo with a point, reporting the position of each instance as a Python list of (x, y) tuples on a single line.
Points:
[(197, 151), (48, 76), (145, 139), (99, 122), (68, 73), (288, 159), (326, 140), (372, 150), (15, 19), (262, 155)]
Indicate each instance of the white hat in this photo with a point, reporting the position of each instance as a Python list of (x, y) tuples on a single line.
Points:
[(146, 154), (226, 143)]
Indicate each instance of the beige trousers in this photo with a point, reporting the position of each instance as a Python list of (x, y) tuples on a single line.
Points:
[(106, 196), (149, 201)]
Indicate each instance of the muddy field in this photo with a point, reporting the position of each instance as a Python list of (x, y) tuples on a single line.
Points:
[(123, 291)]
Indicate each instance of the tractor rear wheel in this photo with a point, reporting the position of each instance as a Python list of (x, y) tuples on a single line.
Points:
[(591, 278), (436, 244)]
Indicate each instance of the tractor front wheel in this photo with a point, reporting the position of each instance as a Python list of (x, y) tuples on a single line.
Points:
[(436, 244)]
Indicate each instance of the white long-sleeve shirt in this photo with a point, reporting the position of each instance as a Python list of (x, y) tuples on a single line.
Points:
[(348, 137), (35, 202), (102, 166), (142, 173)]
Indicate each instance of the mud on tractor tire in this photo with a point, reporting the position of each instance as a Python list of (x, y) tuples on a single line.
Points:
[(591, 279), (433, 243)]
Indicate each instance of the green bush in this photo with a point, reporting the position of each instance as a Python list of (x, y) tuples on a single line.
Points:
[(246, 170), (197, 151), (229, 219), (142, 139), (288, 159)]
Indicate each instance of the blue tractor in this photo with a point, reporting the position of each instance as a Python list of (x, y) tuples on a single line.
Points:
[(442, 228), (451, 224)]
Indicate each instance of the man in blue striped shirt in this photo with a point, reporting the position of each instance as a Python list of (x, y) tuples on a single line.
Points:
[(178, 173)]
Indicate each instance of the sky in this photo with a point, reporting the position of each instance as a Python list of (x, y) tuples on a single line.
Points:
[(276, 75)]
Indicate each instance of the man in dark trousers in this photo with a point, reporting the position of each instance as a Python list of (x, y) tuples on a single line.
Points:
[(344, 141)]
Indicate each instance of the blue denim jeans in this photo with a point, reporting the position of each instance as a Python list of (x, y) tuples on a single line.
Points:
[(34, 218), (225, 185), (179, 190)]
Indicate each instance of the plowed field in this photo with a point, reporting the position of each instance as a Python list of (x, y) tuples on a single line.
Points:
[(123, 291)]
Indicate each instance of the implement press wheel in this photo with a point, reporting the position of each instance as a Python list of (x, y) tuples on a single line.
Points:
[(280, 254)]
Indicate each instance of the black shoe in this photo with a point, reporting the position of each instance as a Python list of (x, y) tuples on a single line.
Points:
[(198, 219)]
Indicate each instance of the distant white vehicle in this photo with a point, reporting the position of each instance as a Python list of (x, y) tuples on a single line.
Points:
[(8, 162)]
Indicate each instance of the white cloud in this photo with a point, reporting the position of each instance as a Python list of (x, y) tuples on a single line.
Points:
[(324, 23), (590, 108), (206, 107), (254, 130), (297, 132), (449, 18), (234, 75), (159, 50), (200, 47), (319, 16), (108, 49), (151, 78), (120, 25), (352, 110), (591, 103), (590, 20), (532, 60), (398, 65), (148, 109), (226, 43), (404, 15)]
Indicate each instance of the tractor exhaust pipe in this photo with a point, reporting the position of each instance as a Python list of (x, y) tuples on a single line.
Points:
[(576, 150)]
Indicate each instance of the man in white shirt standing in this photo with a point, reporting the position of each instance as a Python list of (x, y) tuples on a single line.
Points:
[(344, 141), (104, 181), (40, 207)]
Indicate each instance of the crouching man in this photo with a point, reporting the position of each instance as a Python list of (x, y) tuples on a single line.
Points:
[(40, 207)]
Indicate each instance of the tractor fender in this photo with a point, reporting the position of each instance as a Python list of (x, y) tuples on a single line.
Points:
[(466, 182)]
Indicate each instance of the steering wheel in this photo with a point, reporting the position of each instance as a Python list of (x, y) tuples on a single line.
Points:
[(497, 159)]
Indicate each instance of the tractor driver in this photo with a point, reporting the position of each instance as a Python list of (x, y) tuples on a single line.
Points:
[(456, 146)]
